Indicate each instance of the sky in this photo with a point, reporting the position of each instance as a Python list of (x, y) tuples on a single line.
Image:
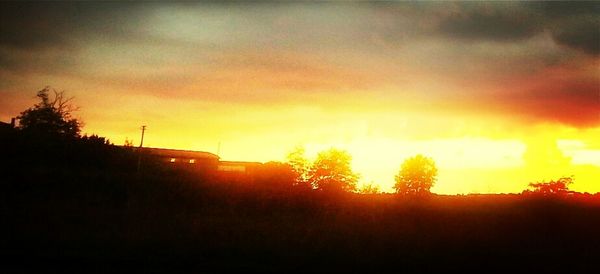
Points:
[(498, 94)]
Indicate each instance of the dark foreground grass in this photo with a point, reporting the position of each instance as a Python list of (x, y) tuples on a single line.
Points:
[(94, 221), (80, 206)]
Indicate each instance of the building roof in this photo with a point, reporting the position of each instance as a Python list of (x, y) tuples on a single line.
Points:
[(239, 163), (177, 153), (6, 127)]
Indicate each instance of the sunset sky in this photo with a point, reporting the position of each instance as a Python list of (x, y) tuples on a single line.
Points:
[(498, 94)]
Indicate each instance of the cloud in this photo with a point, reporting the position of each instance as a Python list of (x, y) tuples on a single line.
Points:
[(278, 77), (26, 25), (573, 24), (562, 94), (409, 53), (498, 22), (563, 9), (575, 103), (46, 37), (582, 34)]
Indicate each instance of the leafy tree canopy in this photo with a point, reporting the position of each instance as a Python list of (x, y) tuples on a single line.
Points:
[(416, 176), (300, 165), (332, 171)]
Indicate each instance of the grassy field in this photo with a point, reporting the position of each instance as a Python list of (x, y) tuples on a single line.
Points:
[(94, 221), (87, 210)]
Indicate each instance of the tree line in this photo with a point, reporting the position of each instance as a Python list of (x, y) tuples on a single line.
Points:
[(331, 171)]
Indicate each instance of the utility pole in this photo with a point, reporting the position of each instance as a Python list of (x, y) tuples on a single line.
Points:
[(139, 163), (142, 141)]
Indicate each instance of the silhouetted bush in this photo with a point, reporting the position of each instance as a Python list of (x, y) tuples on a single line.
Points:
[(551, 188)]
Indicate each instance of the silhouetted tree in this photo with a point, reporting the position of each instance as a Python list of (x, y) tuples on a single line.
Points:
[(560, 186), (331, 171), (51, 115), (416, 176), (300, 165)]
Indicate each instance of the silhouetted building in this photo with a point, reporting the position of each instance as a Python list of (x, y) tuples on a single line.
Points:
[(237, 167), (237, 171), (7, 127), (181, 159), (199, 161)]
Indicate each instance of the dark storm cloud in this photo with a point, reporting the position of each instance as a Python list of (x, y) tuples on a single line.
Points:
[(558, 9), (59, 24), (45, 37), (582, 34), (33, 25), (572, 24), (490, 22)]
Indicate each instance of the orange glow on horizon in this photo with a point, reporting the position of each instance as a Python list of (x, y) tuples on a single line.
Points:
[(466, 164)]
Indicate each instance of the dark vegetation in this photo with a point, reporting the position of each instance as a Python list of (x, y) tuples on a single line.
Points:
[(72, 203), (552, 187)]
